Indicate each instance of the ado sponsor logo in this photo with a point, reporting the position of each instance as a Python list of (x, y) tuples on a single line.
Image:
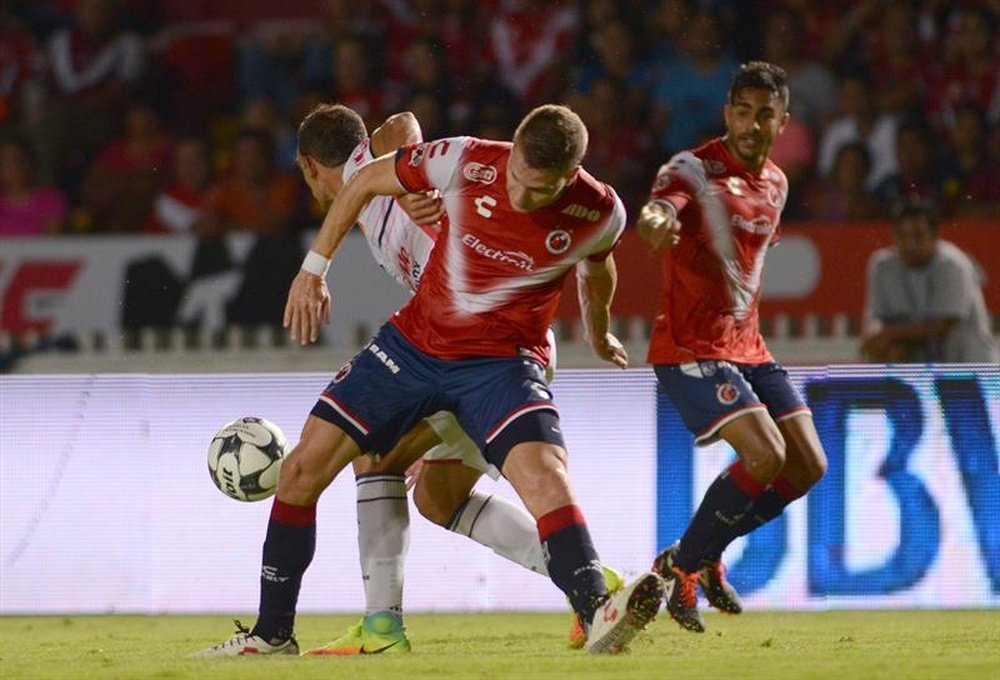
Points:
[(582, 212)]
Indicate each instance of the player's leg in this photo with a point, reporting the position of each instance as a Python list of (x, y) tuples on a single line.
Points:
[(323, 451), (716, 401), (445, 494), (383, 541)]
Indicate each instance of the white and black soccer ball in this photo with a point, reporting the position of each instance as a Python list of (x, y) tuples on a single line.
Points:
[(244, 458)]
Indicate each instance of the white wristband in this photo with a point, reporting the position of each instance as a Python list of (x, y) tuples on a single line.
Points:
[(316, 264)]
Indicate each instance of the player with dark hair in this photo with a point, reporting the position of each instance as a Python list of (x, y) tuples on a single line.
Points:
[(472, 340), (332, 146), (717, 210)]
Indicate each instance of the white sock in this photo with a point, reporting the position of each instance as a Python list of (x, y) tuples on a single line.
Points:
[(507, 529), (383, 539)]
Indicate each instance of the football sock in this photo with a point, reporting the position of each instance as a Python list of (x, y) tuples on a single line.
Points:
[(383, 539), (505, 528), (573, 564), (779, 495), (288, 550), (724, 504)]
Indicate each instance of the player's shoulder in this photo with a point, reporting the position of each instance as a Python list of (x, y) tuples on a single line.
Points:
[(587, 194), (773, 173)]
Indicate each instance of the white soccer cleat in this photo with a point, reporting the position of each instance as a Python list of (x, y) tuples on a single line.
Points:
[(624, 614), (245, 644)]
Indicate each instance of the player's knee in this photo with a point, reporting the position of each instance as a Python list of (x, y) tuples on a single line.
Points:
[(816, 467), (435, 509), (765, 459)]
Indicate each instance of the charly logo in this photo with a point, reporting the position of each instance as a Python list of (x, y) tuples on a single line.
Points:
[(726, 393), (477, 172), (342, 372), (417, 155), (558, 241)]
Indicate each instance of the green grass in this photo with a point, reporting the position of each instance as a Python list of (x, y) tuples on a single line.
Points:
[(771, 646)]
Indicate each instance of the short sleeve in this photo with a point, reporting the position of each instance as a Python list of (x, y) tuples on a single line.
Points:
[(430, 165)]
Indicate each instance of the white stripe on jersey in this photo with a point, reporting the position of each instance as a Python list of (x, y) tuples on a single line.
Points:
[(742, 286)]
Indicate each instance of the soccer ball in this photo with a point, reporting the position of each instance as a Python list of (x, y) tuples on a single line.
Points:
[(244, 458)]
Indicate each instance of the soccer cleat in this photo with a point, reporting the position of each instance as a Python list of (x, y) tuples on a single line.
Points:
[(577, 633), (624, 614), (718, 591), (378, 633), (244, 644), (681, 591)]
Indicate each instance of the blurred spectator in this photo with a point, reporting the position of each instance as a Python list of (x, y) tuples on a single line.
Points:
[(616, 58), (794, 151), (281, 62), (688, 100), (26, 209), (812, 85), (665, 26), (860, 121), (20, 67), (924, 298), (261, 114), (425, 72), (618, 151), (179, 207), (529, 39), (972, 182), (900, 66), (91, 65), (121, 184), (842, 196), (355, 84), (974, 75), (256, 197), (918, 170)]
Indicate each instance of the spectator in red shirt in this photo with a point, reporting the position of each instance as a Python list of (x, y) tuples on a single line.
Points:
[(26, 209), (179, 207)]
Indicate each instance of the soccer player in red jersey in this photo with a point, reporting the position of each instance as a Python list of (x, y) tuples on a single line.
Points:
[(716, 210), (471, 340)]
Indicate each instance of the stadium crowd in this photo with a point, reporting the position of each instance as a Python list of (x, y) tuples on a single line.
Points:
[(161, 116)]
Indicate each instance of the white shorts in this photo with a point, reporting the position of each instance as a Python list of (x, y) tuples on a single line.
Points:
[(456, 446)]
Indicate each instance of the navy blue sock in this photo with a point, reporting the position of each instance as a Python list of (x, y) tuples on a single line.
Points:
[(572, 560), (764, 508), (288, 550), (724, 504)]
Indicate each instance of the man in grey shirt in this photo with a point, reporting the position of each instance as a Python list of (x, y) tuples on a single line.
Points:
[(925, 299)]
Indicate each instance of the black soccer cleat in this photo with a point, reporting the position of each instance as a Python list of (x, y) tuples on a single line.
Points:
[(717, 589), (681, 591)]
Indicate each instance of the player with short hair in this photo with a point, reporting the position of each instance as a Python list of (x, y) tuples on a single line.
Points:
[(472, 341), (717, 210), (332, 146)]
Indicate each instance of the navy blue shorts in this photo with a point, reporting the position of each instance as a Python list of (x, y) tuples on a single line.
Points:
[(390, 385), (709, 394)]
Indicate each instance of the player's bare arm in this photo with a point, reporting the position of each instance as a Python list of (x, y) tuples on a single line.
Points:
[(658, 225), (596, 283), (308, 304)]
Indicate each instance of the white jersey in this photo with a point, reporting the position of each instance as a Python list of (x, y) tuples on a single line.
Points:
[(399, 246)]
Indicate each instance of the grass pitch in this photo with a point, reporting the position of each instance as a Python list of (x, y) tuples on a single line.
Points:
[(776, 646)]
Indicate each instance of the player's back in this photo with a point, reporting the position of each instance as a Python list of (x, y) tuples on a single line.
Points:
[(492, 285), (400, 247)]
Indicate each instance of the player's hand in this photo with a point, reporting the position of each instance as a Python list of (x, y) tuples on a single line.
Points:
[(308, 307), (659, 226), (425, 208), (611, 350), (413, 473)]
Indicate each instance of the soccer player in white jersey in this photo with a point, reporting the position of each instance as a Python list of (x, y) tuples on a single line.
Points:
[(471, 340), (332, 146)]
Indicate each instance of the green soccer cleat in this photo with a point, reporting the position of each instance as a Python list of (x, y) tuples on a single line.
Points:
[(577, 633), (379, 633)]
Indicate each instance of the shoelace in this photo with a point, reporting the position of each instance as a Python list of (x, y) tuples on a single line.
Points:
[(689, 588), (240, 628)]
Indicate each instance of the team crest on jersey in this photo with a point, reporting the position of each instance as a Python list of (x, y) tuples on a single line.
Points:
[(417, 155), (477, 172), (558, 241), (342, 372), (714, 167), (726, 393), (359, 157)]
